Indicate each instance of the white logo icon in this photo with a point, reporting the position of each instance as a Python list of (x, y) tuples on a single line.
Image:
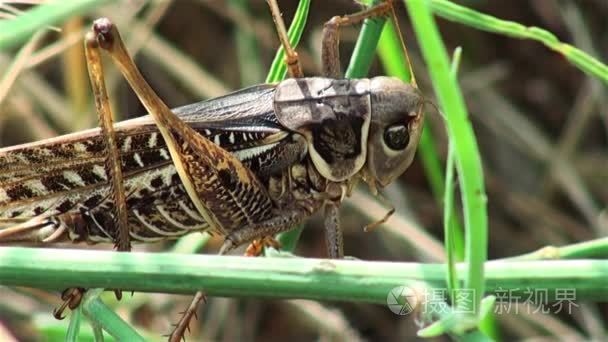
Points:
[(401, 300)]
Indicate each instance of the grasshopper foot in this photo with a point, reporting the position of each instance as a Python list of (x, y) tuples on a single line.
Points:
[(71, 299), (256, 247)]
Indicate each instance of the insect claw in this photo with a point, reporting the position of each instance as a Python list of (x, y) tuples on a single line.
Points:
[(71, 298), (58, 312), (58, 315)]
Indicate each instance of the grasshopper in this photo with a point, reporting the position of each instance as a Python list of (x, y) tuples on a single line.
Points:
[(246, 165)]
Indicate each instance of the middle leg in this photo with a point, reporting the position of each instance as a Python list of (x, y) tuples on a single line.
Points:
[(330, 46)]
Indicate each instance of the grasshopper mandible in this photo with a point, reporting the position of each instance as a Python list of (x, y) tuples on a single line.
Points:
[(246, 165)]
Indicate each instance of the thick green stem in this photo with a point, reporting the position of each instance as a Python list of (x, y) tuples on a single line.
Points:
[(319, 279)]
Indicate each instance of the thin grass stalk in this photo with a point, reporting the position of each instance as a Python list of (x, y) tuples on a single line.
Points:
[(74, 326), (468, 162), (17, 65), (463, 15), (15, 31), (393, 61), (104, 317)]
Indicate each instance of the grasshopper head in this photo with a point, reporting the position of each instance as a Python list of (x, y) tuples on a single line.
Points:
[(396, 124)]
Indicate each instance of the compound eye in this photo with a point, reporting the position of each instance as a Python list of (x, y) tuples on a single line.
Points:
[(396, 137)]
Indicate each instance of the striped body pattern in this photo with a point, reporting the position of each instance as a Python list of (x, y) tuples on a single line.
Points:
[(64, 177)]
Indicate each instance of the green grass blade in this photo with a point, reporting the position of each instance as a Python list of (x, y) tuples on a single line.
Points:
[(597, 248), (98, 333), (468, 162), (53, 330), (15, 31), (449, 229), (453, 12), (391, 54), (448, 208), (394, 62), (191, 243), (106, 318), (248, 54), (74, 326)]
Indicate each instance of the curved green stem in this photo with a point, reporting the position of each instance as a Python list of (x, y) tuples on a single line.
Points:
[(453, 12)]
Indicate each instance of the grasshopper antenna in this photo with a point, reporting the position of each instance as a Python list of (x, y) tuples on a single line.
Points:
[(437, 110)]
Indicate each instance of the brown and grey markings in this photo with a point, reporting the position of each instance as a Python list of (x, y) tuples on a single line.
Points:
[(334, 115), (65, 177), (337, 140)]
